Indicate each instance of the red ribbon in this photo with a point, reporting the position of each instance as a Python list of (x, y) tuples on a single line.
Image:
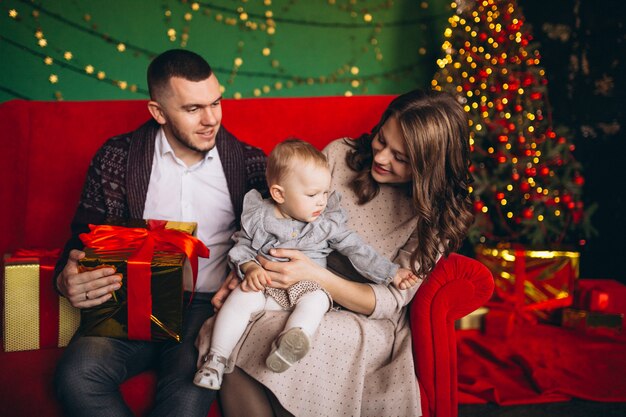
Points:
[(139, 275), (48, 298)]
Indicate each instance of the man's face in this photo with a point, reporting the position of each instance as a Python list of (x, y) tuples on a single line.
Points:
[(190, 113)]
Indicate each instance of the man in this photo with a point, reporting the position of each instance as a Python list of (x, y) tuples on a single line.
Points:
[(179, 166)]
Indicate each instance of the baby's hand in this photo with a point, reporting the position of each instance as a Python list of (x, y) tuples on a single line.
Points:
[(256, 278), (405, 279)]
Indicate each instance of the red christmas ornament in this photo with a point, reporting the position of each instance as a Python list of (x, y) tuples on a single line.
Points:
[(536, 96), (499, 196), (544, 171), (527, 213), (531, 171), (515, 176), (524, 186), (478, 206), (503, 138), (579, 180)]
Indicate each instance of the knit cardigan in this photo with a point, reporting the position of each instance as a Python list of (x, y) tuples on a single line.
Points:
[(118, 176)]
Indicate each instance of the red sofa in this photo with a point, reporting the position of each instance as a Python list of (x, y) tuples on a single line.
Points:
[(46, 147)]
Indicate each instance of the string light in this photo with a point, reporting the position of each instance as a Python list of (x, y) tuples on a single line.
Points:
[(268, 20)]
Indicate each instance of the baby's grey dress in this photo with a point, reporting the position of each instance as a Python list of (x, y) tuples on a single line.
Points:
[(261, 231)]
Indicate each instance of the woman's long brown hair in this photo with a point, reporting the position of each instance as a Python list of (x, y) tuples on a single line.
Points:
[(434, 128)]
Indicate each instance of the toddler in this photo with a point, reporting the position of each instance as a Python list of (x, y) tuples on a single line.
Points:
[(302, 214)]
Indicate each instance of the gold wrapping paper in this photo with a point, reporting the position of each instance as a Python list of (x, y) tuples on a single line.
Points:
[(473, 321), (21, 309), (548, 277), (168, 270), (592, 322)]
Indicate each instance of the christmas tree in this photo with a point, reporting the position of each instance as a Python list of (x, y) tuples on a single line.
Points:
[(528, 185)]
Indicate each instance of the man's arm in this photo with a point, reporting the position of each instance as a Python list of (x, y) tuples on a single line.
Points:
[(90, 288)]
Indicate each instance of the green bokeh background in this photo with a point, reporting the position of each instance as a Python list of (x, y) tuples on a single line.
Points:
[(316, 49)]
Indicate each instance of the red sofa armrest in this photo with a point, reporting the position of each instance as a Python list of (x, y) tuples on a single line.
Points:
[(457, 286)]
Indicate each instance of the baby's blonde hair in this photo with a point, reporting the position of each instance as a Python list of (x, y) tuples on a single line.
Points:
[(288, 155)]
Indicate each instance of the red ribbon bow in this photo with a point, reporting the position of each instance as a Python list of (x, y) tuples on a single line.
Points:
[(145, 241)]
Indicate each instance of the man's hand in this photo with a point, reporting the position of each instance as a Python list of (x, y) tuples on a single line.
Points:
[(229, 284), (89, 288)]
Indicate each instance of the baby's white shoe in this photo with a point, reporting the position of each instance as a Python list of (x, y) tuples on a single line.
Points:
[(292, 346), (211, 372)]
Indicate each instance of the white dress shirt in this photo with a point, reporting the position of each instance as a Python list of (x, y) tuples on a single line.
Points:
[(198, 193)]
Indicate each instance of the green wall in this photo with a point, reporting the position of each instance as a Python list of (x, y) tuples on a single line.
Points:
[(318, 47)]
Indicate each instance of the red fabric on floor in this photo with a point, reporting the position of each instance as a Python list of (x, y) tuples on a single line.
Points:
[(540, 363)]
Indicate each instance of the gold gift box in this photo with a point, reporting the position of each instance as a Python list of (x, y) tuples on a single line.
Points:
[(593, 322), (23, 318), (166, 289), (534, 280), (473, 321)]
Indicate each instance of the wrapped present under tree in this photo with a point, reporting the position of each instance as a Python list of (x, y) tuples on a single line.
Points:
[(531, 282)]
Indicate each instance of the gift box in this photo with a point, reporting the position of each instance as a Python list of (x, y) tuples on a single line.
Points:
[(152, 260), (592, 322), (473, 321), (600, 295), (531, 282), (35, 316)]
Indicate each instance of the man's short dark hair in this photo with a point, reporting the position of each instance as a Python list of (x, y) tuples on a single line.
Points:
[(176, 63)]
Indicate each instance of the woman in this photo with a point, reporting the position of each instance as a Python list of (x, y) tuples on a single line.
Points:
[(405, 189)]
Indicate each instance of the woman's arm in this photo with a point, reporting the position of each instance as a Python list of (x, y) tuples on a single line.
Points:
[(355, 296)]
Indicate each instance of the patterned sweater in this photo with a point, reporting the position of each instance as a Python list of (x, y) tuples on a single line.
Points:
[(118, 176)]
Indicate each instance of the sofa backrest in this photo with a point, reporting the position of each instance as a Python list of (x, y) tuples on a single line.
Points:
[(47, 146)]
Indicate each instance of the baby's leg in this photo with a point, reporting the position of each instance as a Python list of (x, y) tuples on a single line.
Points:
[(302, 324), (233, 318), (308, 312), (230, 324)]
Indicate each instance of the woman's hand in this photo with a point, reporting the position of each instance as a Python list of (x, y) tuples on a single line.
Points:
[(285, 274), (354, 296)]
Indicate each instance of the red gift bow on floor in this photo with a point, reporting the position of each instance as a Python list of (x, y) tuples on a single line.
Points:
[(139, 275), (48, 298)]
